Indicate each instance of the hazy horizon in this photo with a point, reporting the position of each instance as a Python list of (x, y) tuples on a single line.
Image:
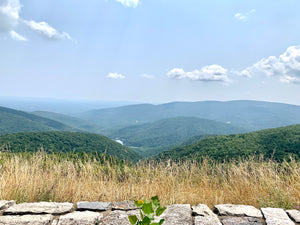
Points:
[(146, 51)]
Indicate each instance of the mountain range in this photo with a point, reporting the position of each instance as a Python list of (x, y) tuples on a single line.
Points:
[(151, 129), (249, 115)]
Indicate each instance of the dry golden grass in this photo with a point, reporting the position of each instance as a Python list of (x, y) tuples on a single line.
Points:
[(42, 177)]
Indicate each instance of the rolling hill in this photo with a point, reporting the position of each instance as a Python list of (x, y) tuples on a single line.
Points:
[(59, 141), (12, 121), (71, 121), (163, 134), (278, 143), (249, 115)]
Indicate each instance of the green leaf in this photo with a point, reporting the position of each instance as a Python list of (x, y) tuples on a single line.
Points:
[(155, 201), (146, 221), (160, 210), (147, 208), (161, 221), (142, 216), (133, 219)]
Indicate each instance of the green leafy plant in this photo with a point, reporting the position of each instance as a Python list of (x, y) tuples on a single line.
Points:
[(147, 211)]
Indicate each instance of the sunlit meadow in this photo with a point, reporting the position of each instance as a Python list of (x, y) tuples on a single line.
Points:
[(30, 177)]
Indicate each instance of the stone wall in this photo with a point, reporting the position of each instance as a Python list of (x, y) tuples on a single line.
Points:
[(107, 213)]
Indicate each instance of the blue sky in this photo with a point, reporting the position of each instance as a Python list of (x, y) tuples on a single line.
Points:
[(151, 50)]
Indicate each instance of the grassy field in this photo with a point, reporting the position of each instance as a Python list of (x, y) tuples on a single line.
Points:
[(29, 177)]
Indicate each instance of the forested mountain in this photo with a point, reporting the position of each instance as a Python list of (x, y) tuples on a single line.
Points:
[(71, 121), (278, 143), (59, 141), (163, 134), (250, 115), (12, 121)]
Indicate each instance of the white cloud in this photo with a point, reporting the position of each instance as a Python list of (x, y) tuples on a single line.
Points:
[(129, 3), (147, 76), (286, 66), (17, 37), (46, 30), (10, 19), (289, 79), (9, 14), (115, 76), (244, 16), (205, 74)]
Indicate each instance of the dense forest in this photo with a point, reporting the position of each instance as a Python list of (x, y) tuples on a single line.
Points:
[(276, 144), (12, 121), (59, 141)]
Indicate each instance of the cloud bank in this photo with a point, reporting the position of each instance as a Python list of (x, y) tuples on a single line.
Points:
[(10, 19), (286, 66), (129, 3), (244, 16), (210, 73), (115, 76)]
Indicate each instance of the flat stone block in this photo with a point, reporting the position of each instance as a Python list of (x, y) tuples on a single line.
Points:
[(125, 205), (204, 216), (79, 218), (119, 217), (200, 220), (237, 210), (202, 210), (6, 204), (94, 206), (294, 214), (174, 215), (241, 221), (40, 208), (27, 220), (275, 216), (180, 214)]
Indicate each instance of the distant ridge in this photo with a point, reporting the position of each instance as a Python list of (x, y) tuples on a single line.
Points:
[(250, 115)]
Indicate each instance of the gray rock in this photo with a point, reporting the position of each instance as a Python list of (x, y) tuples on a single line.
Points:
[(202, 210), (241, 221), (275, 216), (119, 217), (294, 214), (174, 214), (26, 220), (79, 218), (200, 220), (40, 208), (180, 214), (94, 206), (125, 205), (6, 204), (237, 210), (204, 216)]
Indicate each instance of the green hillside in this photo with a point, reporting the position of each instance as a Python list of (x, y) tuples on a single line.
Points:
[(12, 121), (160, 135), (71, 121), (250, 115), (278, 143), (59, 141)]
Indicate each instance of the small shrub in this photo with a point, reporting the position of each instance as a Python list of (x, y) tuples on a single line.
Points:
[(147, 211)]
